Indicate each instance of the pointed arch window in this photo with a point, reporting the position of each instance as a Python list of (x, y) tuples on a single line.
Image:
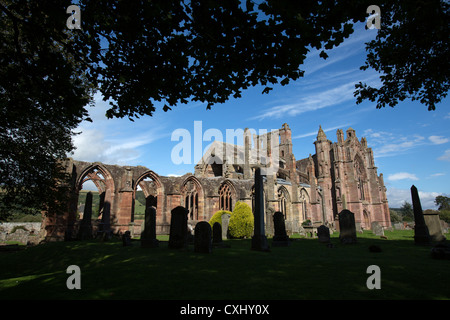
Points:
[(283, 202), (361, 177), (225, 198), (191, 200)]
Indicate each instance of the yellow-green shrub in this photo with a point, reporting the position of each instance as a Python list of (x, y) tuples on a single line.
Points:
[(241, 221), (217, 217)]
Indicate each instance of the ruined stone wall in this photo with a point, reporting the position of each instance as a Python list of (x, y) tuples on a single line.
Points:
[(340, 175)]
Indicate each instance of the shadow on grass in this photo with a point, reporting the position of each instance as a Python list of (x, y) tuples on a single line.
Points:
[(305, 270)]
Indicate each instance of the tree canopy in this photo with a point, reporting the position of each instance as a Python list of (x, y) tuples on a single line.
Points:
[(136, 53)]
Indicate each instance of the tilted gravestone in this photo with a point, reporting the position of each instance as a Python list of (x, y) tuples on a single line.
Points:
[(280, 239), (347, 227), (148, 235), (323, 234), (178, 228), (421, 232), (203, 237), (434, 226), (85, 232)]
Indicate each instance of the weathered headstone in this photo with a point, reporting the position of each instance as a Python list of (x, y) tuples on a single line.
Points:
[(225, 222), (377, 229), (178, 228), (347, 227), (148, 235), (434, 226), (398, 226), (259, 240), (323, 233), (85, 231), (421, 232), (280, 239), (203, 237), (126, 239)]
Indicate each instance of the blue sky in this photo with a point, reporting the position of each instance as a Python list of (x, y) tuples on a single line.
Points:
[(411, 144)]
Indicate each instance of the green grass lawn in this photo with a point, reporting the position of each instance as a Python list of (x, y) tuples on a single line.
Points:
[(305, 270)]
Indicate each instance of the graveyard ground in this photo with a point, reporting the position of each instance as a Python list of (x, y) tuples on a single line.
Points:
[(305, 270)]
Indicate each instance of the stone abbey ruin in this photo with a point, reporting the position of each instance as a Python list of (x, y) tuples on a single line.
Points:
[(310, 191)]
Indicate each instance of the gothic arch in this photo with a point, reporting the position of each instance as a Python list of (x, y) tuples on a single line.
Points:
[(305, 204), (153, 191), (367, 220), (360, 177), (193, 198), (360, 168), (103, 180), (284, 202), (227, 195), (91, 173)]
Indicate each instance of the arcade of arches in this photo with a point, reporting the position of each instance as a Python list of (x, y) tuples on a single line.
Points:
[(340, 175)]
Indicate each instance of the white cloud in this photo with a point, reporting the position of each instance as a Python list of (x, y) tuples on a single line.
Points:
[(90, 145), (396, 197), (402, 145), (388, 144), (438, 139), (311, 102), (94, 145), (402, 176), (174, 175), (445, 156), (437, 174)]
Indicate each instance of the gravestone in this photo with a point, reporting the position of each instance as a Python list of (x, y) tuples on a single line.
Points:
[(398, 226), (148, 235), (377, 229), (434, 226), (259, 240), (217, 236), (280, 239), (178, 228), (217, 233), (347, 227), (126, 239), (323, 233), (421, 232), (202, 237), (225, 222), (85, 232)]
